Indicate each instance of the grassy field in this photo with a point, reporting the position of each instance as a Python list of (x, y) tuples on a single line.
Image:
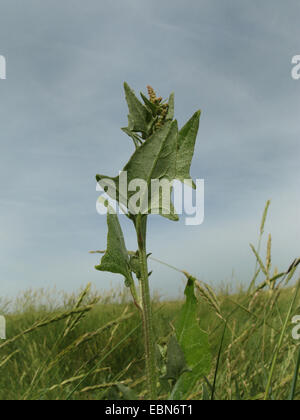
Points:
[(88, 347)]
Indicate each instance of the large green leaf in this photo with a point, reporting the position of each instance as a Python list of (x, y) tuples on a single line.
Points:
[(165, 155), (186, 146), (115, 259), (154, 159), (139, 117), (170, 114), (194, 343)]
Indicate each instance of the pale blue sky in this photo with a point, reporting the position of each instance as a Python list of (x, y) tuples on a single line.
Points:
[(62, 106)]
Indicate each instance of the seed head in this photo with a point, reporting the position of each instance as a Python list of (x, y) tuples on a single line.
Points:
[(152, 94)]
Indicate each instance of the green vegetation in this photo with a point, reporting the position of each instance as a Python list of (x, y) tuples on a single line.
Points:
[(95, 352)]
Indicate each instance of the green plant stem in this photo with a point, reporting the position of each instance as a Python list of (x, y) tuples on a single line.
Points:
[(146, 308)]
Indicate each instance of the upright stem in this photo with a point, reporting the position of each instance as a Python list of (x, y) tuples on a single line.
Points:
[(141, 227)]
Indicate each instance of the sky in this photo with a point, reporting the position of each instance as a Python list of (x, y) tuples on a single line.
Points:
[(62, 106)]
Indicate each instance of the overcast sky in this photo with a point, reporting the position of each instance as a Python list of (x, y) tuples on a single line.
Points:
[(62, 106)]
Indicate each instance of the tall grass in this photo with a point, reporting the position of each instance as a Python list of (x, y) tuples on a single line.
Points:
[(44, 358)]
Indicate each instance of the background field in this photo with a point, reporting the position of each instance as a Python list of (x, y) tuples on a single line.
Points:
[(89, 346)]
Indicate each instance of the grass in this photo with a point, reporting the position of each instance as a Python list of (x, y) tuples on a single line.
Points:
[(88, 346)]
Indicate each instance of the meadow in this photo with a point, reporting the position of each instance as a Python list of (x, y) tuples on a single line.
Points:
[(90, 347)]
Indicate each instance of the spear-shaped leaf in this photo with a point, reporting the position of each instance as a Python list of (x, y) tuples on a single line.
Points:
[(154, 159), (186, 146), (170, 114), (139, 116), (115, 259), (194, 343)]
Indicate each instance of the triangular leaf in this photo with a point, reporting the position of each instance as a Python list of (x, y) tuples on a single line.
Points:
[(115, 259), (154, 159), (170, 114), (186, 146), (139, 116), (194, 343)]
